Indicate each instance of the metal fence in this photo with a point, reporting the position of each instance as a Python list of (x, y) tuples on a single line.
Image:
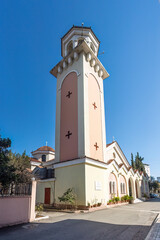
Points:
[(17, 190)]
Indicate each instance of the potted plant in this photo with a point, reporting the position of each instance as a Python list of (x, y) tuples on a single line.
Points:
[(109, 202), (131, 200), (116, 199), (99, 204)]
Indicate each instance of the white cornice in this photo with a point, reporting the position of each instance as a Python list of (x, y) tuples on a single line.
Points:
[(47, 180), (82, 48), (81, 161)]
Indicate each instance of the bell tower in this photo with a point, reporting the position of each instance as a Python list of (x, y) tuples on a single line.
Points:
[(80, 123), (80, 120)]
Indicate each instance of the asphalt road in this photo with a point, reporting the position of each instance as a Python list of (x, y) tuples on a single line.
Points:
[(132, 221)]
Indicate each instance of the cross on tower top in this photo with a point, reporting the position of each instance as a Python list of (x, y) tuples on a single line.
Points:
[(69, 94), (96, 146)]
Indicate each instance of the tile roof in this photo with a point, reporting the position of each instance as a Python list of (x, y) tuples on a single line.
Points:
[(45, 148), (34, 160), (107, 145)]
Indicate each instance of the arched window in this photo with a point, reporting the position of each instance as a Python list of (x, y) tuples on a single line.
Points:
[(43, 158), (80, 41), (69, 47), (92, 47)]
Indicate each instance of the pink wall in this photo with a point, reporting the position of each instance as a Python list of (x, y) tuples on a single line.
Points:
[(17, 209), (14, 210), (69, 118), (95, 120)]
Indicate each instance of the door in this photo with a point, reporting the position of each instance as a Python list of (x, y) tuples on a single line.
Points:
[(47, 195)]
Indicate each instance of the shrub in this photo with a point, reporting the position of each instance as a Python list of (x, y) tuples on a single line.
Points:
[(126, 197), (39, 207), (116, 199), (122, 199), (99, 204), (68, 197)]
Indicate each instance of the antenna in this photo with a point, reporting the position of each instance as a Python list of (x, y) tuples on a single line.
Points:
[(46, 143), (82, 29), (113, 139)]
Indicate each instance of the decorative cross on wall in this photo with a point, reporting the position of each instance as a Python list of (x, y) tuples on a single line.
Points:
[(69, 94), (68, 134), (94, 104), (96, 146)]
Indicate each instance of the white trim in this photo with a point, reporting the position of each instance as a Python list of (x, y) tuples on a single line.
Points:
[(42, 152), (81, 161), (47, 180), (66, 76)]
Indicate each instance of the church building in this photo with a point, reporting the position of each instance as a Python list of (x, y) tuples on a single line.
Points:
[(82, 160)]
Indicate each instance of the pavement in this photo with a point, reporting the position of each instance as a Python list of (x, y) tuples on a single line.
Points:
[(154, 233), (129, 222)]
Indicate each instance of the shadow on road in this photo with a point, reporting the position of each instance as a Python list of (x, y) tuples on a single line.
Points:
[(72, 229)]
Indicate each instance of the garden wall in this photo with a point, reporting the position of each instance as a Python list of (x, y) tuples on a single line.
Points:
[(17, 209)]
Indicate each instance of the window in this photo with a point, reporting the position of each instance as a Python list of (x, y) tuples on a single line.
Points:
[(92, 47), (112, 187), (69, 47), (43, 158), (122, 186), (80, 41)]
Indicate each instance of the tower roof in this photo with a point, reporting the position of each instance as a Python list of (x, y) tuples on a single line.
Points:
[(75, 36), (80, 27)]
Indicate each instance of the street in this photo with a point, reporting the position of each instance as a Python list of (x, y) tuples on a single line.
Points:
[(131, 221)]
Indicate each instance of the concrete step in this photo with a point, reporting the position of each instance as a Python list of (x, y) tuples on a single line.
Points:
[(138, 200)]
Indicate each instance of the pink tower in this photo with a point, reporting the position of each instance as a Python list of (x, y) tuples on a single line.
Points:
[(80, 120)]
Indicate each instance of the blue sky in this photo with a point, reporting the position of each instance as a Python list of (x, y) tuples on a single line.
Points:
[(129, 31)]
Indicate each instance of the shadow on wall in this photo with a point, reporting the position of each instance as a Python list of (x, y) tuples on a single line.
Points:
[(72, 229)]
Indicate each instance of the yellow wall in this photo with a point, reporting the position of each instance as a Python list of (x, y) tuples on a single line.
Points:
[(93, 175), (40, 194), (71, 177)]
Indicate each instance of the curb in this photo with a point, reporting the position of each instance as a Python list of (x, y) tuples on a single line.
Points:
[(40, 218), (154, 232)]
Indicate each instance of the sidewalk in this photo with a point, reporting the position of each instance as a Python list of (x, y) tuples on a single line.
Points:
[(154, 233)]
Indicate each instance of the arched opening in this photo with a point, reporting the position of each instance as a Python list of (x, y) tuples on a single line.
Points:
[(113, 189), (92, 47), (69, 47), (137, 189), (142, 187), (80, 40), (122, 182), (43, 158), (131, 187)]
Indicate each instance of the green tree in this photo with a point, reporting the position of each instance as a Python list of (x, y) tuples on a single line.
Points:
[(14, 167), (153, 185), (139, 163), (22, 166), (7, 171)]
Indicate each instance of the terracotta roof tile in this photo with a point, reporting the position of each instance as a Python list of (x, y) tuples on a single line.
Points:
[(111, 160), (34, 160), (120, 165), (45, 148), (107, 145)]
